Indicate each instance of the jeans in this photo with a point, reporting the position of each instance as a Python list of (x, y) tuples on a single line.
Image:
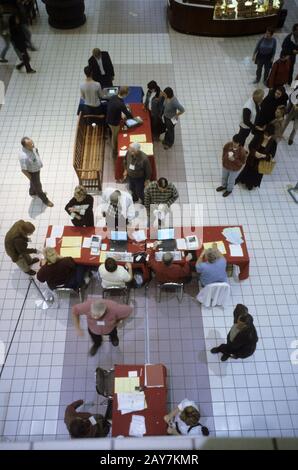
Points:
[(266, 63), (228, 179), (243, 134), (136, 186), (97, 339), (36, 187), (170, 133)]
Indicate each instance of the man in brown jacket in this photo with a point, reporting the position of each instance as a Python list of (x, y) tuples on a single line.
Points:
[(16, 246), (83, 424), (233, 158)]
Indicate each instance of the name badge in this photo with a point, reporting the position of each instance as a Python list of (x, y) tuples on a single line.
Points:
[(100, 323), (132, 167), (92, 420)]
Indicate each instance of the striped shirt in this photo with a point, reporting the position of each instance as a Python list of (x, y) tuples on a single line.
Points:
[(153, 195)]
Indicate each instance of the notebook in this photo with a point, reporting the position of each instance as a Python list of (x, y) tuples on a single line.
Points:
[(154, 376)]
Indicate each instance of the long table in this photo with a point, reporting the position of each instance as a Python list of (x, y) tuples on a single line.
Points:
[(156, 399), (210, 234), (124, 136)]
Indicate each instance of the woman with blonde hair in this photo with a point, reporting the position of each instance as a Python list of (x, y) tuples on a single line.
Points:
[(16, 246), (213, 269), (185, 420), (80, 208), (58, 271)]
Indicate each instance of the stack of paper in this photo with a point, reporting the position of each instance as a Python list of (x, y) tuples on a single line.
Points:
[(236, 250), (128, 402), (139, 235), (71, 241), (126, 384), (71, 246), (233, 235), (138, 138), (181, 244), (219, 245), (137, 426)]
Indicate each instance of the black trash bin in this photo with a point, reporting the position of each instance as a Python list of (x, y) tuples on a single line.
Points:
[(282, 17)]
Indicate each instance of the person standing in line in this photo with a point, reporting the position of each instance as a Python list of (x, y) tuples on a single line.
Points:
[(290, 46), (280, 71), (172, 109), (103, 316), (31, 165), (154, 104), (250, 113), (102, 68), (242, 338), (116, 107), (264, 54), (279, 122), (138, 170), (91, 93), (16, 246), (19, 42), (275, 97), (233, 158), (292, 116)]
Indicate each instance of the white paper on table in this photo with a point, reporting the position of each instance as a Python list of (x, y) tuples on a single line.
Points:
[(137, 426), (181, 244), (86, 242), (128, 402), (122, 153), (236, 250), (133, 373), (123, 147), (51, 242), (139, 235), (57, 231)]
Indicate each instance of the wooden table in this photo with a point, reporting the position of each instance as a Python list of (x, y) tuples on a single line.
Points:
[(156, 399)]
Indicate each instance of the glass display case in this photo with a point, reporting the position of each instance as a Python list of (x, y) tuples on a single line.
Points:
[(245, 9)]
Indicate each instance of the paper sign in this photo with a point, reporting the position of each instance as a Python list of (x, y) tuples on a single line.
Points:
[(71, 241), (73, 251), (133, 373), (123, 147), (86, 242), (138, 138), (126, 384), (236, 250), (122, 153)]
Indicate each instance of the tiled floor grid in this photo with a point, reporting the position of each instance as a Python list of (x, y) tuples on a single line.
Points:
[(48, 366)]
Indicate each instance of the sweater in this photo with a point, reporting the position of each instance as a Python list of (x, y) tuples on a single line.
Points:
[(57, 274), (239, 156)]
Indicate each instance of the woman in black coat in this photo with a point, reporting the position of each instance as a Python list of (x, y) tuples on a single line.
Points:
[(19, 42), (242, 337), (276, 97), (80, 208), (262, 146), (154, 104)]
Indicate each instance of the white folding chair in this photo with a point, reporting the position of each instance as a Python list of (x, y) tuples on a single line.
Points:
[(214, 294)]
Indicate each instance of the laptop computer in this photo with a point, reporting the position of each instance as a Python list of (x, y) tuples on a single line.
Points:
[(107, 93), (167, 238), (118, 240)]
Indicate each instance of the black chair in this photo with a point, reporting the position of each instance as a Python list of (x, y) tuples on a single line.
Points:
[(116, 291), (105, 386)]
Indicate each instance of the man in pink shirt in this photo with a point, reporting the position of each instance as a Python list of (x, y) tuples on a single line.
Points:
[(103, 317)]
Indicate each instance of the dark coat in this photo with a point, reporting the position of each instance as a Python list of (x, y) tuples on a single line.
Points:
[(244, 344), (269, 106), (16, 241), (101, 429), (87, 220), (17, 35), (107, 79)]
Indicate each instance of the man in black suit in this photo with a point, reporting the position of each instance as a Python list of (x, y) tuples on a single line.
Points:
[(102, 68), (116, 107)]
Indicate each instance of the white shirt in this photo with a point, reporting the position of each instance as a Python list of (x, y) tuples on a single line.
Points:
[(150, 99), (183, 427), (30, 160), (126, 202), (118, 278), (251, 105), (100, 65)]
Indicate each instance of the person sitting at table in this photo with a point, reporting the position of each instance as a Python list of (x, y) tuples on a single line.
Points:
[(214, 268), (62, 271), (185, 420), (102, 68), (80, 423), (91, 93), (103, 316), (117, 207), (162, 194), (116, 107), (242, 338), (138, 170), (80, 208), (154, 104), (114, 275), (167, 271)]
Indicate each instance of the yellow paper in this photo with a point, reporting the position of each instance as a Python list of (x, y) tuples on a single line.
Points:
[(138, 138), (71, 241), (73, 251), (147, 148), (220, 246), (126, 384), (102, 257)]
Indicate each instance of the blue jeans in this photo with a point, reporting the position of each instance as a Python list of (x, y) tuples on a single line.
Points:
[(228, 179)]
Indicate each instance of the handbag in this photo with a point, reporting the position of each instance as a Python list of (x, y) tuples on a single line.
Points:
[(266, 167)]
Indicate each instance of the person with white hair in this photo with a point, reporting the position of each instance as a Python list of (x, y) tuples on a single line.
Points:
[(138, 170), (103, 317), (168, 271), (117, 207), (213, 269)]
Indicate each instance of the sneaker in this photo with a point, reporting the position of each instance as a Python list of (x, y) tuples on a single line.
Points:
[(214, 350), (3, 61), (220, 188), (115, 341), (34, 260), (31, 272), (224, 357), (290, 142), (49, 204), (226, 193), (93, 350)]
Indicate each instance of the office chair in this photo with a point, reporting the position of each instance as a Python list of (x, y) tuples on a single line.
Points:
[(116, 291), (105, 386), (178, 287)]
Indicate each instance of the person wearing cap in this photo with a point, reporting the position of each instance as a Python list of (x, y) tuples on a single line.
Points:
[(167, 271), (213, 269), (101, 67), (117, 207), (233, 158), (114, 275), (292, 116), (116, 107), (138, 170), (242, 338), (160, 193), (80, 208), (103, 317)]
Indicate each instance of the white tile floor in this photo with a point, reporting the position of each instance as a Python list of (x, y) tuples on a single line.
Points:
[(212, 78)]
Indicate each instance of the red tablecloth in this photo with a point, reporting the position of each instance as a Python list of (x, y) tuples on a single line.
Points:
[(156, 399), (145, 128)]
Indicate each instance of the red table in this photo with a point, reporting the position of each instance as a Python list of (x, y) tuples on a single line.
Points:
[(137, 109), (156, 399)]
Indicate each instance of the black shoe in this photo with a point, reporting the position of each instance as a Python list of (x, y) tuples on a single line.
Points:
[(224, 357), (19, 66), (115, 341), (226, 193), (290, 142), (255, 81), (214, 350), (31, 272), (3, 61), (220, 188), (93, 349), (34, 260), (31, 71)]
